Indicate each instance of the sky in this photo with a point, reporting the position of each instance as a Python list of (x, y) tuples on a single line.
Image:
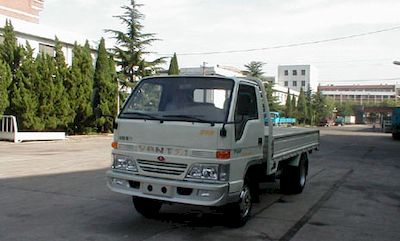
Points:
[(198, 26)]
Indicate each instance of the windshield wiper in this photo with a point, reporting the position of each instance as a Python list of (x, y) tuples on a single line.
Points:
[(191, 118), (153, 117)]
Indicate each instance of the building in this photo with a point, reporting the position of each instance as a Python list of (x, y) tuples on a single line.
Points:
[(213, 70), (361, 94), (296, 77), (26, 10), (41, 38), (280, 92)]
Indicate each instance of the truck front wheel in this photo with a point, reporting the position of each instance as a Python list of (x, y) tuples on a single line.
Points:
[(147, 207), (293, 179), (238, 213)]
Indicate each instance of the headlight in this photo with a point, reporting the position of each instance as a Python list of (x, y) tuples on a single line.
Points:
[(124, 163), (209, 172)]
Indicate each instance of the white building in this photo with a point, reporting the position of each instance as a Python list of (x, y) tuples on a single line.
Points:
[(296, 77), (213, 70), (280, 92), (42, 38)]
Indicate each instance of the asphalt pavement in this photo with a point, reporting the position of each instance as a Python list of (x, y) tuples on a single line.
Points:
[(56, 191)]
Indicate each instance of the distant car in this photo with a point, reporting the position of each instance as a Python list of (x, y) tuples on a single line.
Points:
[(326, 122), (339, 121)]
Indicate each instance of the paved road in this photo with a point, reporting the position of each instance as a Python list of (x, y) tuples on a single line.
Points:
[(56, 191)]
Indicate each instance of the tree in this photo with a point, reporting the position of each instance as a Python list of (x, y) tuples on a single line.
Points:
[(294, 106), (173, 66), (272, 100), (10, 52), (64, 112), (322, 108), (5, 81), (255, 69), (288, 105), (105, 90), (309, 105), (25, 101), (80, 85), (131, 46), (302, 110)]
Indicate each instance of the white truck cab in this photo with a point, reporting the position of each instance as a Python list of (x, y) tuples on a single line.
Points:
[(201, 140)]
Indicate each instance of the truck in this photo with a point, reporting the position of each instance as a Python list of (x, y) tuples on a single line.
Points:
[(396, 123), (202, 140), (278, 120)]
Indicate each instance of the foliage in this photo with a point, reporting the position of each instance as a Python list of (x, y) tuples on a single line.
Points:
[(5, 81), (64, 112), (105, 90), (81, 87), (294, 107), (345, 108), (255, 68), (10, 52), (272, 100), (25, 102), (173, 66), (131, 46), (302, 110), (288, 105)]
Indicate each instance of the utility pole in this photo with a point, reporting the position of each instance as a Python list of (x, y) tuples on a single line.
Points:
[(204, 67)]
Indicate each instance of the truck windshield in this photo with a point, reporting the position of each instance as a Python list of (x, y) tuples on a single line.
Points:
[(194, 99)]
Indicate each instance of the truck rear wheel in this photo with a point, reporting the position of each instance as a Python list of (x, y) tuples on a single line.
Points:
[(238, 213), (147, 207), (293, 179)]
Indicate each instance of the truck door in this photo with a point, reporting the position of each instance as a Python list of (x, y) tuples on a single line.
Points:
[(249, 124)]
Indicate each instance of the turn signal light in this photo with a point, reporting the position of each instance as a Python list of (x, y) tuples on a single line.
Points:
[(223, 154), (114, 145)]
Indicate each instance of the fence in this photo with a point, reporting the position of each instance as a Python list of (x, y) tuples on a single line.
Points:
[(9, 131)]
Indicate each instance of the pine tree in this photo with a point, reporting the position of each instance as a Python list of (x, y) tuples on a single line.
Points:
[(47, 91), (5, 81), (255, 69), (173, 66), (309, 105), (80, 87), (11, 54), (25, 101), (302, 111), (64, 112), (288, 105), (105, 90), (319, 108), (293, 105), (131, 46), (272, 100)]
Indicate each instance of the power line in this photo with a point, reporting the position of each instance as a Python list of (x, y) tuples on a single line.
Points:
[(292, 44)]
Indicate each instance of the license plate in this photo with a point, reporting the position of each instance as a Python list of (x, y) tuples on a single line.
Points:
[(157, 189)]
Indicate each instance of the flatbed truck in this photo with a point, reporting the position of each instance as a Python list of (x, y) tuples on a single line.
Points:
[(202, 140)]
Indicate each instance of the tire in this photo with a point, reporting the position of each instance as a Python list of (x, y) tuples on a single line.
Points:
[(293, 179), (238, 213), (396, 136), (149, 208)]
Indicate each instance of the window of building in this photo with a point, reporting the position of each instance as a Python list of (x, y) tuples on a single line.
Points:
[(46, 49), (303, 83), (294, 83), (286, 83), (303, 72), (286, 72), (294, 72)]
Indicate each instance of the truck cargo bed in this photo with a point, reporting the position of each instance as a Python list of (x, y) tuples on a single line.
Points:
[(288, 142)]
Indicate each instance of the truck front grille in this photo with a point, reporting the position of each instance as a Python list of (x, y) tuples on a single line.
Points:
[(162, 167)]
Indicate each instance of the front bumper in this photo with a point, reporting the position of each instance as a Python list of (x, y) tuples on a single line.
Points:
[(194, 193)]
